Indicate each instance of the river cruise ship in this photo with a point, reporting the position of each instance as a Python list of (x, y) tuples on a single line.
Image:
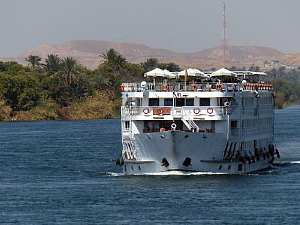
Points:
[(190, 121)]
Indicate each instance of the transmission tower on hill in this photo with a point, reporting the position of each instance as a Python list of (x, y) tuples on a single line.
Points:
[(224, 40)]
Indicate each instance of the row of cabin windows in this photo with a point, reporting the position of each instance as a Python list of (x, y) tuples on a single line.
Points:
[(249, 101), (257, 122), (252, 123), (179, 102)]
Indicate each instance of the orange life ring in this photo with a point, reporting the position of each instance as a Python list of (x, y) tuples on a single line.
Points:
[(122, 87), (162, 129), (233, 87), (196, 110), (146, 110), (193, 87), (165, 87), (132, 87), (160, 111), (219, 87), (210, 110)]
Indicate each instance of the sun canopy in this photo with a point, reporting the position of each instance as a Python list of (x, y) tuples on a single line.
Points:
[(250, 73), (157, 72), (160, 73), (223, 73), (192, 73), (169, 74)]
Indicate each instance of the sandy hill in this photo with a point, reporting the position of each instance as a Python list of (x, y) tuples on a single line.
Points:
[(88, 51), (236, 53), (291, 60)]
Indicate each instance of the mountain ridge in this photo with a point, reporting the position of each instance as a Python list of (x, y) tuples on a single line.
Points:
[(87, 52)]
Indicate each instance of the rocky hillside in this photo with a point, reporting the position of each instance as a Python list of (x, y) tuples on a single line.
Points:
[(291, 59), (236, 53), (88, 51)]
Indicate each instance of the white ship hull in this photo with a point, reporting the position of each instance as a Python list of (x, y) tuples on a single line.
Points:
[(203, 150)]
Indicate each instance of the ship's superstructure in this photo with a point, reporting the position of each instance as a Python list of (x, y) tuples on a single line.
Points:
[(220, 122)]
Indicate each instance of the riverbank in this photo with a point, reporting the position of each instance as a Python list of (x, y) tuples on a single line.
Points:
[(98, 106)]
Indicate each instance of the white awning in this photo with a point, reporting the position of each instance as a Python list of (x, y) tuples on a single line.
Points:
[(251, 73), (157, 72), (192, 73), (169, 74), (223, 73)]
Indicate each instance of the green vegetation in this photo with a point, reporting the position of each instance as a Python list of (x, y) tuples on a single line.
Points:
[(286, 85), (61, 89)]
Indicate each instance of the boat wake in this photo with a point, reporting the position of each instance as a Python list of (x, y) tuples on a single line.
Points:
[(182, 173), (168, 173), (286, 163), (115, 174)]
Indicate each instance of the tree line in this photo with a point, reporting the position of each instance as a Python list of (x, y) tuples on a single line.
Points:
[(63, 82)]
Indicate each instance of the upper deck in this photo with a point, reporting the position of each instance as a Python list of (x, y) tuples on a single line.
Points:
[(192, 80), (170, 86), (198, 98)]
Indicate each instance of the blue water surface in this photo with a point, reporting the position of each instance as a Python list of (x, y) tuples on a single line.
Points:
[(63, 172)]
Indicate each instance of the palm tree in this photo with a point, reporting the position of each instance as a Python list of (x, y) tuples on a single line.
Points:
[(34, 60), (70, 71), (150, 64), (52, 64), (114, 58)]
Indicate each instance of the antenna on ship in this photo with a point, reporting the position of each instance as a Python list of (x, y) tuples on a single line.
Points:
[(224, 41)]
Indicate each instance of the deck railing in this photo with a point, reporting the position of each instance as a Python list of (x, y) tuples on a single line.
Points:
[(182, 86), (176, 112)]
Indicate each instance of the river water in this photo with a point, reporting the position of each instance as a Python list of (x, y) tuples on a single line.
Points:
[(63, 172)]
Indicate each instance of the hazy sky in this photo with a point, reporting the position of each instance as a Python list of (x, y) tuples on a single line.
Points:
[(177, 25)]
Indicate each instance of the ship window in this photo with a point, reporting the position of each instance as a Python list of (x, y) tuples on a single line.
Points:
[(240, 167), (179, 101), (126, 125), (242, 146), (153, 102), (204, 102), (233, 124), (146, 127), (168, 102), (189, 102)]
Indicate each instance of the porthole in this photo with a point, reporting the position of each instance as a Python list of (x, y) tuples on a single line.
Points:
[(140, 168), (240, 167), (220, 167), (229, 166)]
